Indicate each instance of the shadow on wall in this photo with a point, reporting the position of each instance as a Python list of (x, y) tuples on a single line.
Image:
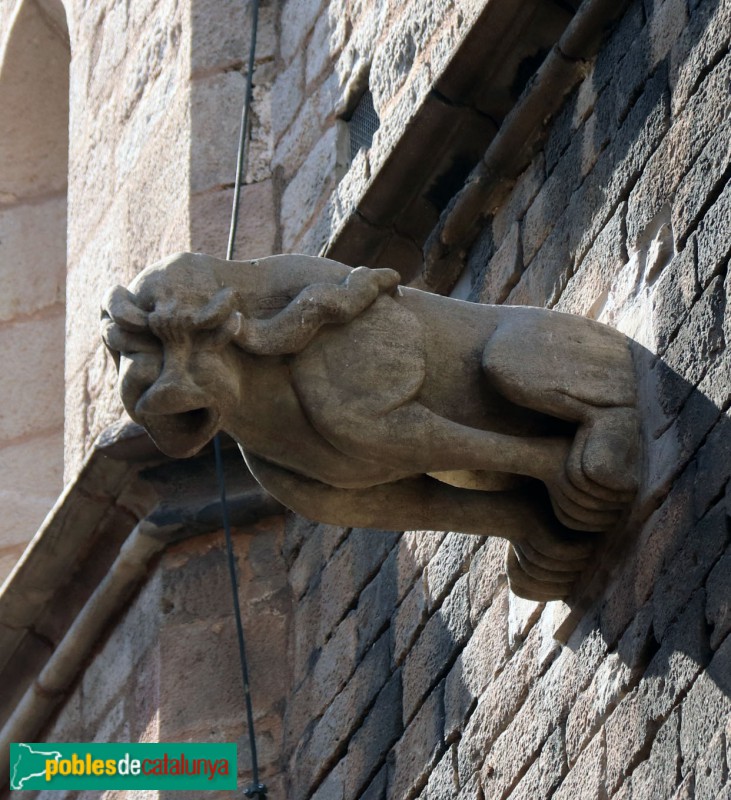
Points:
[(414, 667)]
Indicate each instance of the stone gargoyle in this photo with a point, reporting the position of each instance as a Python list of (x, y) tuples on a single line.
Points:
[(359, 402)]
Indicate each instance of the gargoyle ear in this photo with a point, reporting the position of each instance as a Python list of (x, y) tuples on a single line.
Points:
[(120, 305)]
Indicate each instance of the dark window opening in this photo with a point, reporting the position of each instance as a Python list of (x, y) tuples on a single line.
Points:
[(363, 124)]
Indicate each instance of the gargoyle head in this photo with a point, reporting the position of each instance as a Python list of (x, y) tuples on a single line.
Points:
[(169, 336)]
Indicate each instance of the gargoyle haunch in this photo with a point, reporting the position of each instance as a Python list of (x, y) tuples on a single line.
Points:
[(359, 402)]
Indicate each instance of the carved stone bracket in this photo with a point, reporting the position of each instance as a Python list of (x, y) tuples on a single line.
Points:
[(359, 402)]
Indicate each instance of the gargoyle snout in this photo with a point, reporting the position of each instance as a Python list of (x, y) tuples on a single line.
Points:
[(173, 393)]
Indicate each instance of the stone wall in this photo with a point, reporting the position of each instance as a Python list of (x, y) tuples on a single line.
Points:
[(34, 61), (169, 670), (416, 673)]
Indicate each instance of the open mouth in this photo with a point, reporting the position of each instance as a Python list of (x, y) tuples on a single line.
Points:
[(185, 433)]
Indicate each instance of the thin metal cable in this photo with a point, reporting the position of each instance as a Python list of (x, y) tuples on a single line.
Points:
[(256, 788), (243, 152)]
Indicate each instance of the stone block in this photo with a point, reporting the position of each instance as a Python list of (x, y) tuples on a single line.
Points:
[(342, 716), (33, 250), (662, 535), (706, 708), (648, 49), (673, 158), (370, 744), (504, 269), (688, 569), (586, 778), (546, 706), (518, 201), (705, 180), (210, 218), (696, 345), (671, 672), (443, 635), (408, 621), (700, 45), (673, 296), (377, 603), (220, 33), (377, 788), (314, 553), (554, 195), (31, 363), (323, 47), (298, 17), (419, 749), (497, 706), (487, 575), (711, 771), (299, 139), (449, 563), (545, 773), (215, 114), (31, 478), (718, 604), (607, 688), (714, 239), (588, 288), (714, 464), (352, 566), (324, 167), (483, 657), (657, 776), (288, 94), (321, 676), (545, 279), (443, 783), (617, 45)]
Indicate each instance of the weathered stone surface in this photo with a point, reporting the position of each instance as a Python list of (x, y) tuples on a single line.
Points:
[(545, 773), (711, 772), (487, 574), (673, 158), (380, 730), (504, 268), (313, 555), (718, 605), (714, 240), (707, 706), (32, 398), (674, 295), (587, 290), (520, 198), (287, 96), (586, 778), (446, 631), (211, 217), (449, 563), (482, 658), (657, 776), (342, 716), (607, 688), (408, 620), (546, 706), (419, 748), (689, 567), (33, 252), (681, 657)]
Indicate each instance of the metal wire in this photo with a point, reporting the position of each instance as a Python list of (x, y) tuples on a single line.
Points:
[(363, 124), (256, 788)]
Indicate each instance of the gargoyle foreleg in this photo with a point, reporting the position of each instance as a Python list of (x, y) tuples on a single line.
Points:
[(549, 554)]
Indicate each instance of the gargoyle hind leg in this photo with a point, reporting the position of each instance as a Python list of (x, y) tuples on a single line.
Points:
[(577, 370), (548, 558)]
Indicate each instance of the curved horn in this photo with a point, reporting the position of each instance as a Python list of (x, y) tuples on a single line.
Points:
[(121, 306)]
